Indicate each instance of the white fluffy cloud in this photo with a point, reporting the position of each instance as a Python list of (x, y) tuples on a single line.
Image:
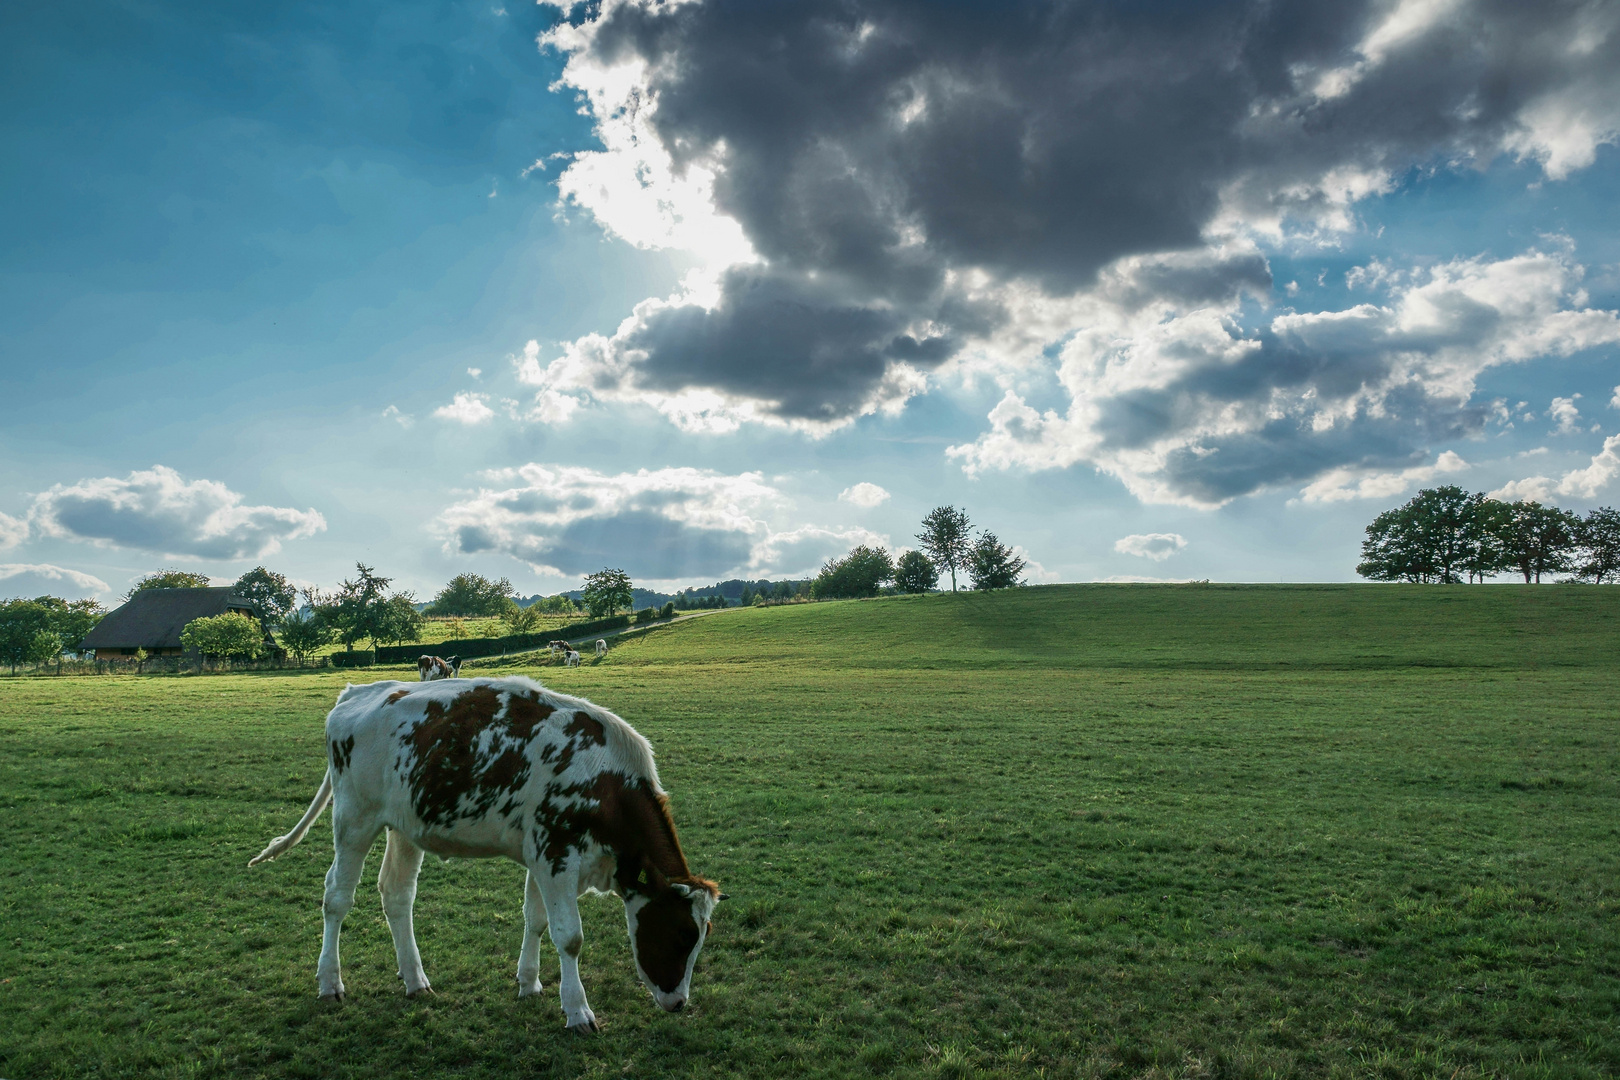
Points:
[(660, 525), (1340, 485), (1155, 546), (37, 579), (466, 408), (12, 531), (160, 511), (1184, 406), (1564, 415), (1584, 484), (864, 495)]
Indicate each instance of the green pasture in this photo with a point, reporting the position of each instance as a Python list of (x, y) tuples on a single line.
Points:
[(1093, 831)]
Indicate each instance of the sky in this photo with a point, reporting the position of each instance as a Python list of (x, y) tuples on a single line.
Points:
[(1153, 291)]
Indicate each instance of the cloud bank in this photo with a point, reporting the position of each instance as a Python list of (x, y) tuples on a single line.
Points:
[(661, 525), (158, 510), (886, 195), (37, 579)]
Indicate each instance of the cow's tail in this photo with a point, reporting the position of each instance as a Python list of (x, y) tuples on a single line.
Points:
[(285, 843)]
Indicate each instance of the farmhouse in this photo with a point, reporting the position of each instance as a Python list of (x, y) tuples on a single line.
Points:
[(153, 618)]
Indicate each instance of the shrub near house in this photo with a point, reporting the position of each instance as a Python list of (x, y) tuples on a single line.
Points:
[(230, 636)]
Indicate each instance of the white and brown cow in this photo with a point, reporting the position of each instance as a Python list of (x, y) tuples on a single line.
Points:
[(477, 768), (601, 647), (432, 667)]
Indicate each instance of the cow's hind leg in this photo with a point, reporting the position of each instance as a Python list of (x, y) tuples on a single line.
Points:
[(561, 894), (350, 842), (534, 923), (402, 860)]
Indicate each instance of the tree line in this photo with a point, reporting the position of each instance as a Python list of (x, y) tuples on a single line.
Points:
[(947, 544), (1446, 535)]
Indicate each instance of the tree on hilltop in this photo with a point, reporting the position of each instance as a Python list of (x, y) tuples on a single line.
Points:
[(946, 538), (1600, 546), (860, 573), (915, 573), (993, 565)]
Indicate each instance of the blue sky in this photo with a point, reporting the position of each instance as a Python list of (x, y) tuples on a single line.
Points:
[(722, 290)]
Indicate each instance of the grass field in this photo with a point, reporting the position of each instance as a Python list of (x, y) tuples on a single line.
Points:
[(1115, 831)]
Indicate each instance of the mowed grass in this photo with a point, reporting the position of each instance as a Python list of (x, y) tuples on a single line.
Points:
[(1116, 831)]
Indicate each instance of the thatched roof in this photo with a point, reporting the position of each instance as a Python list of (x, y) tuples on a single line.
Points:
[(153, 618)]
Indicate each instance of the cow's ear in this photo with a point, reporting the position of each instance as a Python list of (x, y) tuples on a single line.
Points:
[(723, 896), (685, 890)]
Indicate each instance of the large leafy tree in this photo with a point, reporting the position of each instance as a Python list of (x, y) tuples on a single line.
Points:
[(947, 538), (72, 619), (860, 573), (1443, 535), (994, 565), (606, 591), (473, 594), (274, 594), (1599, 537), (915, 572), (169, 579), (26, 629), (363, 608), (1538, 539)]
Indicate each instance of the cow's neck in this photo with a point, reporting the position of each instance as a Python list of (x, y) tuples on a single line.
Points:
[(647, 847)]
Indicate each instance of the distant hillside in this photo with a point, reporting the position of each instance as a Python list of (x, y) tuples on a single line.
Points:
[(1209, 627)]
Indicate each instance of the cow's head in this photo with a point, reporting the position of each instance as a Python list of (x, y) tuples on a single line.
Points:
[(668, 925)]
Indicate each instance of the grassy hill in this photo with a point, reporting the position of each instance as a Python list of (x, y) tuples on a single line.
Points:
[(1097, 831)]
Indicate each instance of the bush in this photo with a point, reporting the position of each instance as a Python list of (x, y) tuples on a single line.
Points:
[(303, 632), (646, 615), (230, 635), (860, 573), (915, 573), (357, 658), (667, 611)]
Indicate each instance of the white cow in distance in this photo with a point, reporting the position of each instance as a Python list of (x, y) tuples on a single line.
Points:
[(504, 767), (601, 647)]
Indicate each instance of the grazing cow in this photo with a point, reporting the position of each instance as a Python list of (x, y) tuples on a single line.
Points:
[(571, 659), (558, 647), (492, 767), (601, 647), (431, 668)]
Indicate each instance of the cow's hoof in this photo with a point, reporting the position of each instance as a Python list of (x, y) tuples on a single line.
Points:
[(428, 990), (529, 991), (335, 995), (585, 1027)]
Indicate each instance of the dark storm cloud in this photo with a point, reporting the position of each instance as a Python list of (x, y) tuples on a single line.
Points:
[(869, 150)]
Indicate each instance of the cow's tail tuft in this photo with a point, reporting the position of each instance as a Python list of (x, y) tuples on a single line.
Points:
[(285, 843)]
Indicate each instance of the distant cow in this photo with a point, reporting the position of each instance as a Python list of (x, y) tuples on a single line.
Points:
[(558, 647), (571, 658), (431, 667), (601, 647), (492, 767)]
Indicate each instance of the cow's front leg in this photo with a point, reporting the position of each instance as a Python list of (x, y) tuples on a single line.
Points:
[(402, 861), (561, 894), (349, 845), (534, 921)]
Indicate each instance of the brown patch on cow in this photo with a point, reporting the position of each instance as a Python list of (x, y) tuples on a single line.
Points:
[(450, 776), (342, 754), (628, 817), (666, 934), (395, 696)]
